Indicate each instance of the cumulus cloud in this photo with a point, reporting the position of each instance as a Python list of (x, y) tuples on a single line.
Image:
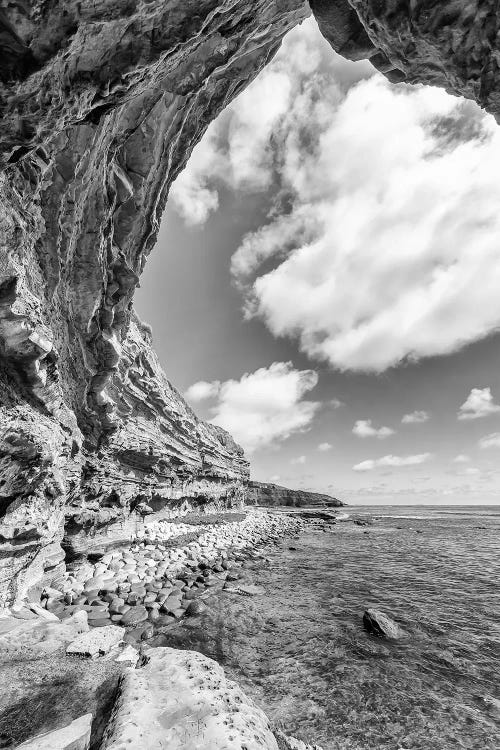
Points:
[(363, 428), (324, 447), (479, 403), (490, 441), (264, 407), (416, 417), (381, 241), (397, 461), (298, 460), (201, 391), (461, 459)]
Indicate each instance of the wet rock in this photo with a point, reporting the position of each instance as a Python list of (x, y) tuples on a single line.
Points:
[(74, 736), (378, 623), (135, 615), (196, 607)]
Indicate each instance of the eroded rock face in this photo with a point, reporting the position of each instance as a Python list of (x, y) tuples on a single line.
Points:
[(101, 103), (263, 493)]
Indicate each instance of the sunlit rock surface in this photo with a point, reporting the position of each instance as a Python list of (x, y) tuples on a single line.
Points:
[(182, 699), (101, 103)]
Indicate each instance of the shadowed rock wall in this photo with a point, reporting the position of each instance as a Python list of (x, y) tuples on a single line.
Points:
[(101, 103)]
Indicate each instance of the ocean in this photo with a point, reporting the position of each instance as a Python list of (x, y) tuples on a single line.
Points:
[(301, 652)]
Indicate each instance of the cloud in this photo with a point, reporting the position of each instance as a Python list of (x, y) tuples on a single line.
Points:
[(335, 403), (380, 245), (298, 460), (323, 447), (461, 459), (363, 428), (416, 417), (471, 471), (264, 407), (490, 441), (201, 391), (479, 403), (397, 461)]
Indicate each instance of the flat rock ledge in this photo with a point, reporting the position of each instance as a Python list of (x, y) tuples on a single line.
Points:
[(75, 736), (182, 700)]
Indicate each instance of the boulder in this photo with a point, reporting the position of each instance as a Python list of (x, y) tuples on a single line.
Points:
[(135, 615), (195, 607), (378, 623), (74, 736)]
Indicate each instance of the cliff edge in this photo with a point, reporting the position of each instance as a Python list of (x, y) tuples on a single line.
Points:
[(268, 495)]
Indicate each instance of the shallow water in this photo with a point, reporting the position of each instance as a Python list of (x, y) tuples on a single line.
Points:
[(301, 652)]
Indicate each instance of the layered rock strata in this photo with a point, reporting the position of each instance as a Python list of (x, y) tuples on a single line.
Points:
[(101, 104), (267, 494)]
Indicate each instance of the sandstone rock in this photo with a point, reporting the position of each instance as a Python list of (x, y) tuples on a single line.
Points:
[(34, 639), (75, 736), (380, 624), (96, 642), (182, 700)]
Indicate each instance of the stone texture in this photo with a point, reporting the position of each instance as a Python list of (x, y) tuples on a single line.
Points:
[(262, 493), (182, 699), (75, 736), (378, 623), (97, 642), (101, 103)]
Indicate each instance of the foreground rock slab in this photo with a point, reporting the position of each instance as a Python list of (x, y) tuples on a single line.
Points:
[(75, 736), (182, 699)]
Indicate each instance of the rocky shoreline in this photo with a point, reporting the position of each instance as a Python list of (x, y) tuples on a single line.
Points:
[(106, 611)]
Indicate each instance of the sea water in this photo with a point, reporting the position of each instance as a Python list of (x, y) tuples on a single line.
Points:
[(301, 652)]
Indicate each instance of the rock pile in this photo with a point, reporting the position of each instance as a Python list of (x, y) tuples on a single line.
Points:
[(151, 584)]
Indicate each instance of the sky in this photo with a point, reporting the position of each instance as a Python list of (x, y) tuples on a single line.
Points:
[(325, 282)]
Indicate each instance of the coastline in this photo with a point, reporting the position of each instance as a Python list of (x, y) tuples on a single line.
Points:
[(192, 559)]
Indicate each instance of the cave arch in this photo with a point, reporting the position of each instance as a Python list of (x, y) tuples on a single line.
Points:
[(101, 106)]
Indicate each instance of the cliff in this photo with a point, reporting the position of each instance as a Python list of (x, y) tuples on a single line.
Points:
[(261, 493), (101, 103)]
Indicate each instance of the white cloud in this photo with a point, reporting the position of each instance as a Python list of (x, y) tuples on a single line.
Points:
[(335, 403), (298, 460), (201, 391), (275, 478), (416, 417), (479, 403), (363, 428), (375, 463), (265, 407), (471, 471), (461, 459), (490, 441), (381, 240), (323, 447)]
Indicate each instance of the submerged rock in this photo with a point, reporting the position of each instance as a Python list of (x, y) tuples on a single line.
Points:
[(378, 623), (75, 736)]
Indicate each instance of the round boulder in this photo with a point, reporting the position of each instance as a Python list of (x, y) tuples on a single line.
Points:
[(195, 607)]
